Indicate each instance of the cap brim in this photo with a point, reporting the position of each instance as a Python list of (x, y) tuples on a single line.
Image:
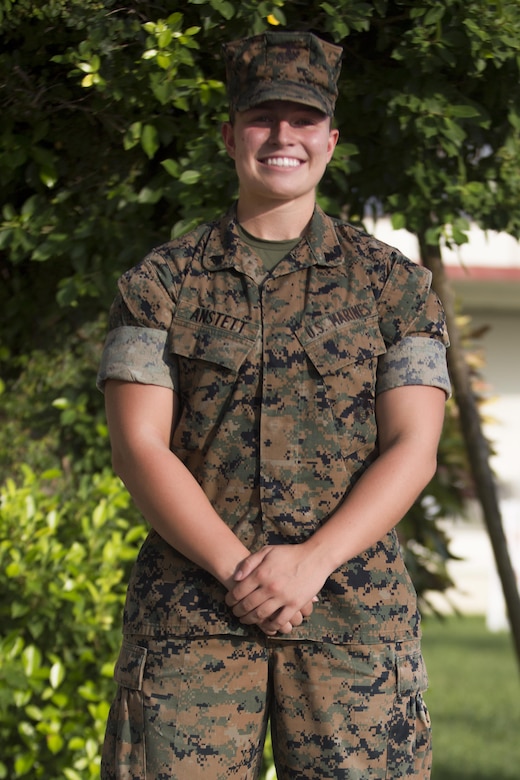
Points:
[(279, 90)]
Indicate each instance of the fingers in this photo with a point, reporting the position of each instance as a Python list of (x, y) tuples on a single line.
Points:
[(268, 590), (273, 621), (268, 627), (277, 624), (276, 621), (248, 566), (306, 610)]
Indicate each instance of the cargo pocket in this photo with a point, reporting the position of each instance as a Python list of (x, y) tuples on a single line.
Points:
[(409, 744), (124, 749), (411, 674)]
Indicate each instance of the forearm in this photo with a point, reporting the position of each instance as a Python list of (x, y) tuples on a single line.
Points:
[(141, 420), (174, 504), (281, 578), (176, 507), (378, 501), (276, 580), (409, 421)]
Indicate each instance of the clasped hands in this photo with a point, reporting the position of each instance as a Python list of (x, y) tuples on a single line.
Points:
[(275, 588)]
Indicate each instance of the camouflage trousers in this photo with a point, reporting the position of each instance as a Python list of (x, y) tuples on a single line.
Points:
[(199, 708)]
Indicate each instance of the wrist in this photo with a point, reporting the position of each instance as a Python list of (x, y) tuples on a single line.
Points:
[(323, 553), (226, 565)]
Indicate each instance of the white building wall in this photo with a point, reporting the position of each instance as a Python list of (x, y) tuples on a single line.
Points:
[(501, 370)]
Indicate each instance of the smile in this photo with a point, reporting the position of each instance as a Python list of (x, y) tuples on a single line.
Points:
[(283, 162)]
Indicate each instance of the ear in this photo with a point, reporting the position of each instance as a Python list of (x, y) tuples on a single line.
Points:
[(228, 136), (331, 145)]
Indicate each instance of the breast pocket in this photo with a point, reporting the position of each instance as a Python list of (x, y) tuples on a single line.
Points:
[(211, 358), (212, 336), (345, 357)]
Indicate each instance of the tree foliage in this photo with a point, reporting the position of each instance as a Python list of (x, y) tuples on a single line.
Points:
[(110, 143), (110, 128)]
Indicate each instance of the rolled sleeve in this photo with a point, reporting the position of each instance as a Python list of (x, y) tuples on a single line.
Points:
[(134, 354), (414, 360)]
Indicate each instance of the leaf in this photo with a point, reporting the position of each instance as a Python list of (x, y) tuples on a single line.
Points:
[(171, 167), (71, 774), (30, 206), (31, 660), (19, 610), (164, 60), (35, 713), (13, 570), (514, 119), (150, 195), (53, 473), (465, 111), (48, 176), (132, 135), (150, 140), (175, 21), (55, 743), (434, 15), (86, 67), (23, 764), (454, 132), (458, 236), (57, 674), (76, 743), (189, 177), (224, 8), (432, 236), (398, 221), (164, 39)]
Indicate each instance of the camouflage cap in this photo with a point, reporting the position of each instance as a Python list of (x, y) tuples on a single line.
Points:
[(294, 66)]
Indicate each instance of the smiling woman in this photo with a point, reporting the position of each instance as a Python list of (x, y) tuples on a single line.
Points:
[(266, 381), (281, 150)]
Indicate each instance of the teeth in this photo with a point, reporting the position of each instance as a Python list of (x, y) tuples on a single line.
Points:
[(283, 162)]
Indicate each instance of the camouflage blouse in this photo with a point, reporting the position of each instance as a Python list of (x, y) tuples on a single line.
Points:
[(277, 376)]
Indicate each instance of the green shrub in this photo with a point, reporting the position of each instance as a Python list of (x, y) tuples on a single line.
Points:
[(51, 414), (64, 559)]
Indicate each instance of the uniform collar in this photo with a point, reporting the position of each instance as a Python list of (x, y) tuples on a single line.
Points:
[(225, 249)]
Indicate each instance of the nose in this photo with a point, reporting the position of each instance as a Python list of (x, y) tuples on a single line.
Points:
[(281, 132)]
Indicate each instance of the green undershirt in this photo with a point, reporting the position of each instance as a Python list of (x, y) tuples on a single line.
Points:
[(269, 252)]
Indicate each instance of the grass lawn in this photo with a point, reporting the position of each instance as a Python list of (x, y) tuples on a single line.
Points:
[(474, 700)]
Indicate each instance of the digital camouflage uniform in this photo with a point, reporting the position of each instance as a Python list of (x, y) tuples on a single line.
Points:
[(277, 376)]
